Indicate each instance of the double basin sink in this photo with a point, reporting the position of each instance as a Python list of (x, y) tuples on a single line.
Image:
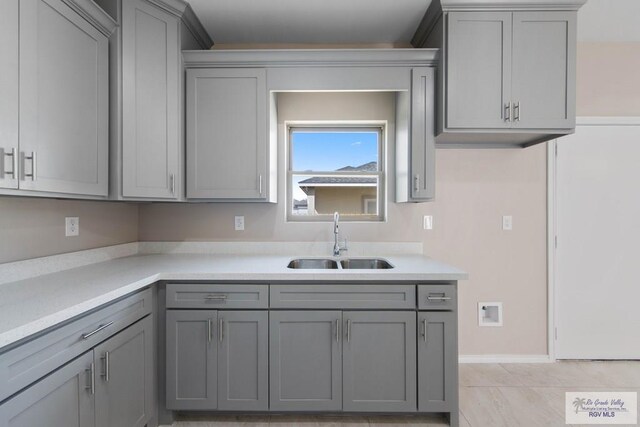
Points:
[(345, 264)]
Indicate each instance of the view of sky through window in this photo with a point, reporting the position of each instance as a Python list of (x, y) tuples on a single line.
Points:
[(330, 151)]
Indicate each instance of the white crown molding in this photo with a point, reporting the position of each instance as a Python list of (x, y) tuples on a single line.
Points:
[(94, 14), (310, 57), (183, 11)]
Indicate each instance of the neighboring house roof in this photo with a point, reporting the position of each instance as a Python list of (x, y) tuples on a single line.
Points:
[(328, 181)]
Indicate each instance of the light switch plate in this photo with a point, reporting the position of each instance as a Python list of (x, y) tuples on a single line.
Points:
[(507, 222), (239, 223), (427, 222), (71, 226)]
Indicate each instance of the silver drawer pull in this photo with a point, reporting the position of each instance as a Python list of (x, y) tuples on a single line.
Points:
[(14, 163), (92, 384), (216, 298), (95, 331), (438, 298), (106, 366), (34, 166), (220, 329), (424, 331)]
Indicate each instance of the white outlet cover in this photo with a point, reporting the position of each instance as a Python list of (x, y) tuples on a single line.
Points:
[(490, 314), (507, 222), (71, 226), (239, 223), (427, 222)]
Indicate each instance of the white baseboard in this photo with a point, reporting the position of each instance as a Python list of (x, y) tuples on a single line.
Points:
[(505, 358)]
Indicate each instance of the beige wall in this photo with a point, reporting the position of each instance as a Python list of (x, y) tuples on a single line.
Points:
[(346, 200), (33, 227)]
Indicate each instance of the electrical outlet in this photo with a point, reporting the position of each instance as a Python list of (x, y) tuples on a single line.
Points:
[(239, 223), (507, 222), (427, 222), (71, 226)]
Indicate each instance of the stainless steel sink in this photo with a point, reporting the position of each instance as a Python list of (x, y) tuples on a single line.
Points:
[(313, 263), (365, 264)]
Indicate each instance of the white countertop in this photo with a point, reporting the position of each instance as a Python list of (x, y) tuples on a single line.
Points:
[(33, 305)]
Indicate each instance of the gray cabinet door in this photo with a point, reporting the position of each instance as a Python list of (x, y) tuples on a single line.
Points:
[(63, 100), (150, 101), (544, 69), (191, 359), (9, 79), (478, 69), (62, 399), (379, 361), (437, 362), (226, 134), (305, 365), (243, 360), (124, 377), (423, 144)]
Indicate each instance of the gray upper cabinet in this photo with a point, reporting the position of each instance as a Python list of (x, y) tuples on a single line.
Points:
[(437, 362), (379, 361), (305, 364), (146, 93), (544, 62), (124, 390), (507, 74), (63, 100), (192, 359), (9, 87), (243, 360), (62, 399), (479, 69), (226, 134), (422, 152), (150, 97)]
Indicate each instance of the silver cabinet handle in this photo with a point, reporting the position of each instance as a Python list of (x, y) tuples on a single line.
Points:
[(348, 330), (95, 331), (424, 330), (507, 112), (172, 184), (92, 384), (216, 298), (105, 374), (260, 184), (34, 166), (337, 330), (209, 328), (221, 329), (14, 163), (516, 112), (416, 180), (430, 298)]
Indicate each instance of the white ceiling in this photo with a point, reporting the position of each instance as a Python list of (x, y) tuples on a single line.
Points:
[(609, 21), (311, 21)]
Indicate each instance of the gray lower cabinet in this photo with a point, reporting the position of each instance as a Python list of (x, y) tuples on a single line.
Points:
[(217, 360), (111, 385), (379, 361), (62, 399), (227, 134), (305, 360), (437, 362), (243, 360), (192, 359), (124, 389)]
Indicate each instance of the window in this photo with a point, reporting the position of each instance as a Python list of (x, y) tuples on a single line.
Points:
[(338, 168)]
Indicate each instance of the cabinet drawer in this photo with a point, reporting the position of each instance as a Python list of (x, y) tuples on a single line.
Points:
[(217, 296), (27, 363), (437, 297), (343, 296)]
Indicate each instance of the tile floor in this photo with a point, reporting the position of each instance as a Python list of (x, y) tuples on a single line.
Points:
[(491, 395)]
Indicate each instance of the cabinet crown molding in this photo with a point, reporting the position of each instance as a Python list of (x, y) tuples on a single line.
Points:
[(183, 11), (93, 14), (310, 57)]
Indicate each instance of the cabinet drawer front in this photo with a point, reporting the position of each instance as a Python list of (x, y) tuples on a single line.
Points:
[(343, 296), (437, 297), (217, 296), (27, 363)]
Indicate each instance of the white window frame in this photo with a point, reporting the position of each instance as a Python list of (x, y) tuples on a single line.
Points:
[(377, 126)]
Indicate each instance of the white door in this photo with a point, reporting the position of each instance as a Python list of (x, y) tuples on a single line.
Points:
[(597, 287)]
